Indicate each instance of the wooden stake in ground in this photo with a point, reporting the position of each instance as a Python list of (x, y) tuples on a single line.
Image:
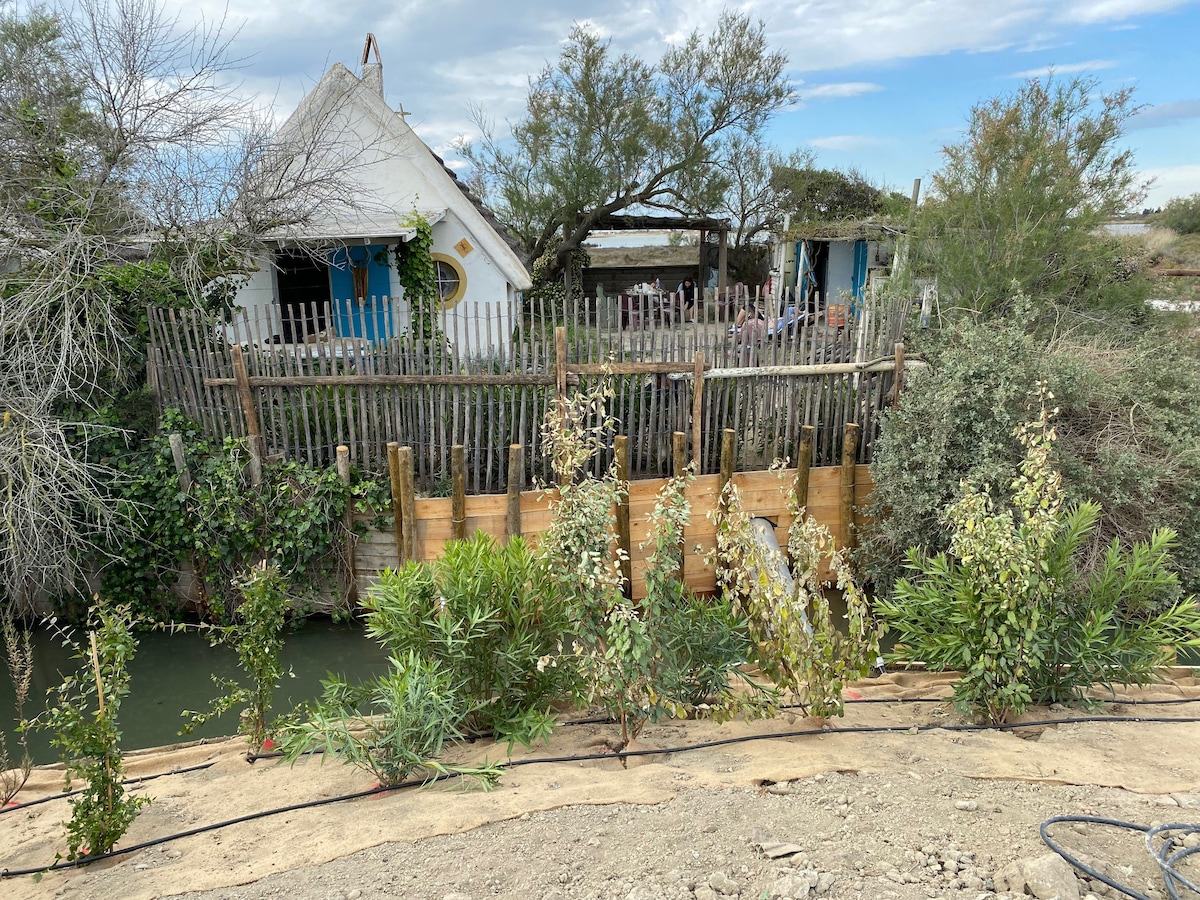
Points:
[(624, 540), (351, 539), (849, 459), (393, 454), (516, 475)]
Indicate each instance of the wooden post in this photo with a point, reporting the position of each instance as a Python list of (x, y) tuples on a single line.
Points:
[(180, 459), (560, 368), (897, 375), (560, 385), (678, 453), (408, 504), (393, 452), (723, 262), (624, 541), (849, 458), (516, 475), (246, 396), (727, 454), (249, 413), (697, 408), (343, 470), (803, 466), (458, 495)]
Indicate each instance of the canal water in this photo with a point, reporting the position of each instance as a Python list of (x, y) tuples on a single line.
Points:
[(173, 672)]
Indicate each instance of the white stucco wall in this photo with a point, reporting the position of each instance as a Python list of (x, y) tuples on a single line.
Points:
[(394, 174)]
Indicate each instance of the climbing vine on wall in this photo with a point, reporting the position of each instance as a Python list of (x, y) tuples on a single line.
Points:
[(417, 274)]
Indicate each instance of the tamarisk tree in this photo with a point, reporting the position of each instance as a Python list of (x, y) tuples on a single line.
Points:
[(604, 133)]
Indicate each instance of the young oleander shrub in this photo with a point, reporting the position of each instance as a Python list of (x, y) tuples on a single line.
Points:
[(394, 726), (487, 613)]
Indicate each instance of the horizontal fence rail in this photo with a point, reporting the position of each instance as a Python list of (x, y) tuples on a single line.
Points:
[(301, 382)]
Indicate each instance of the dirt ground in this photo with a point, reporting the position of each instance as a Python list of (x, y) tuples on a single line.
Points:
[(911, 812)]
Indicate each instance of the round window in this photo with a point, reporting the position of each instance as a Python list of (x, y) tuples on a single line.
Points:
[(450, 278)]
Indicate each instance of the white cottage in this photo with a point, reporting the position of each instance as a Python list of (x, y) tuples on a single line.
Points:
[(342, 259)]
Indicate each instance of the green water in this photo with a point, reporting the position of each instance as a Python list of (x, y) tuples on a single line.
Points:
[(173, 672)]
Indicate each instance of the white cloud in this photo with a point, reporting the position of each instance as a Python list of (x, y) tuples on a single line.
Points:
[(843, 141), (1091, 65), (1164, 115), (1171, 181), (838, 90), (1092, 11)]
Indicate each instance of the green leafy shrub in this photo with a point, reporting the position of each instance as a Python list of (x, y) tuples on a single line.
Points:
[(392, 726), (795, 640), (1128, 429), (256, 635), (83, 722), (1182, 214), (1013, 607), (224, 525), (487, 614)]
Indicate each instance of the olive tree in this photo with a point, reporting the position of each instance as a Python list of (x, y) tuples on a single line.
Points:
[(603, 133)]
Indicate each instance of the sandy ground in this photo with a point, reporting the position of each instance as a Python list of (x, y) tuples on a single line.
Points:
[(911, 812)]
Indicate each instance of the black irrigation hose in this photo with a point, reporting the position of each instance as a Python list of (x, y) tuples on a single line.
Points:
[(137, 780), (1163, 855), (619, 754), (83, 861)]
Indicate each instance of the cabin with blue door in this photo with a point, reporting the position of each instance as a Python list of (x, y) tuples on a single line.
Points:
[(334, 275), (832, 265)]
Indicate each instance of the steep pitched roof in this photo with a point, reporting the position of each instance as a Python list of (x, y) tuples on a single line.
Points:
[(400, 171)]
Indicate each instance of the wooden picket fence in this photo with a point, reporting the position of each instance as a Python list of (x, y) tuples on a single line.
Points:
[(363, 376)]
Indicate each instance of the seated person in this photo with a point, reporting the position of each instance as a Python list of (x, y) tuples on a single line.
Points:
[(751, 322), (687, 291)]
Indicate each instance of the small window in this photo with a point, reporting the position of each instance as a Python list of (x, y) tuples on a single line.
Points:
[(451, 280)]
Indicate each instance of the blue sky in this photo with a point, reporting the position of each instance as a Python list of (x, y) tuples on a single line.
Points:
[(883, 84)]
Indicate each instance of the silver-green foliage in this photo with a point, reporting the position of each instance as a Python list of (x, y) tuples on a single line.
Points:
[(1012, 606), (641, 661), (18, 655), (83, 721), (393, 726), (795, 640), (487, 613)]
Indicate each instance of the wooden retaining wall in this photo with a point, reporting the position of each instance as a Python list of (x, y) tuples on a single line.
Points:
[(764, 494)]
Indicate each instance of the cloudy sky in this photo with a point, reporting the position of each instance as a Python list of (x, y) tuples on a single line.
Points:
[(883, 84)]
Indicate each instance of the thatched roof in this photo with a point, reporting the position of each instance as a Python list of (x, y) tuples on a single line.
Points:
[(643, 257), (846, 230)]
